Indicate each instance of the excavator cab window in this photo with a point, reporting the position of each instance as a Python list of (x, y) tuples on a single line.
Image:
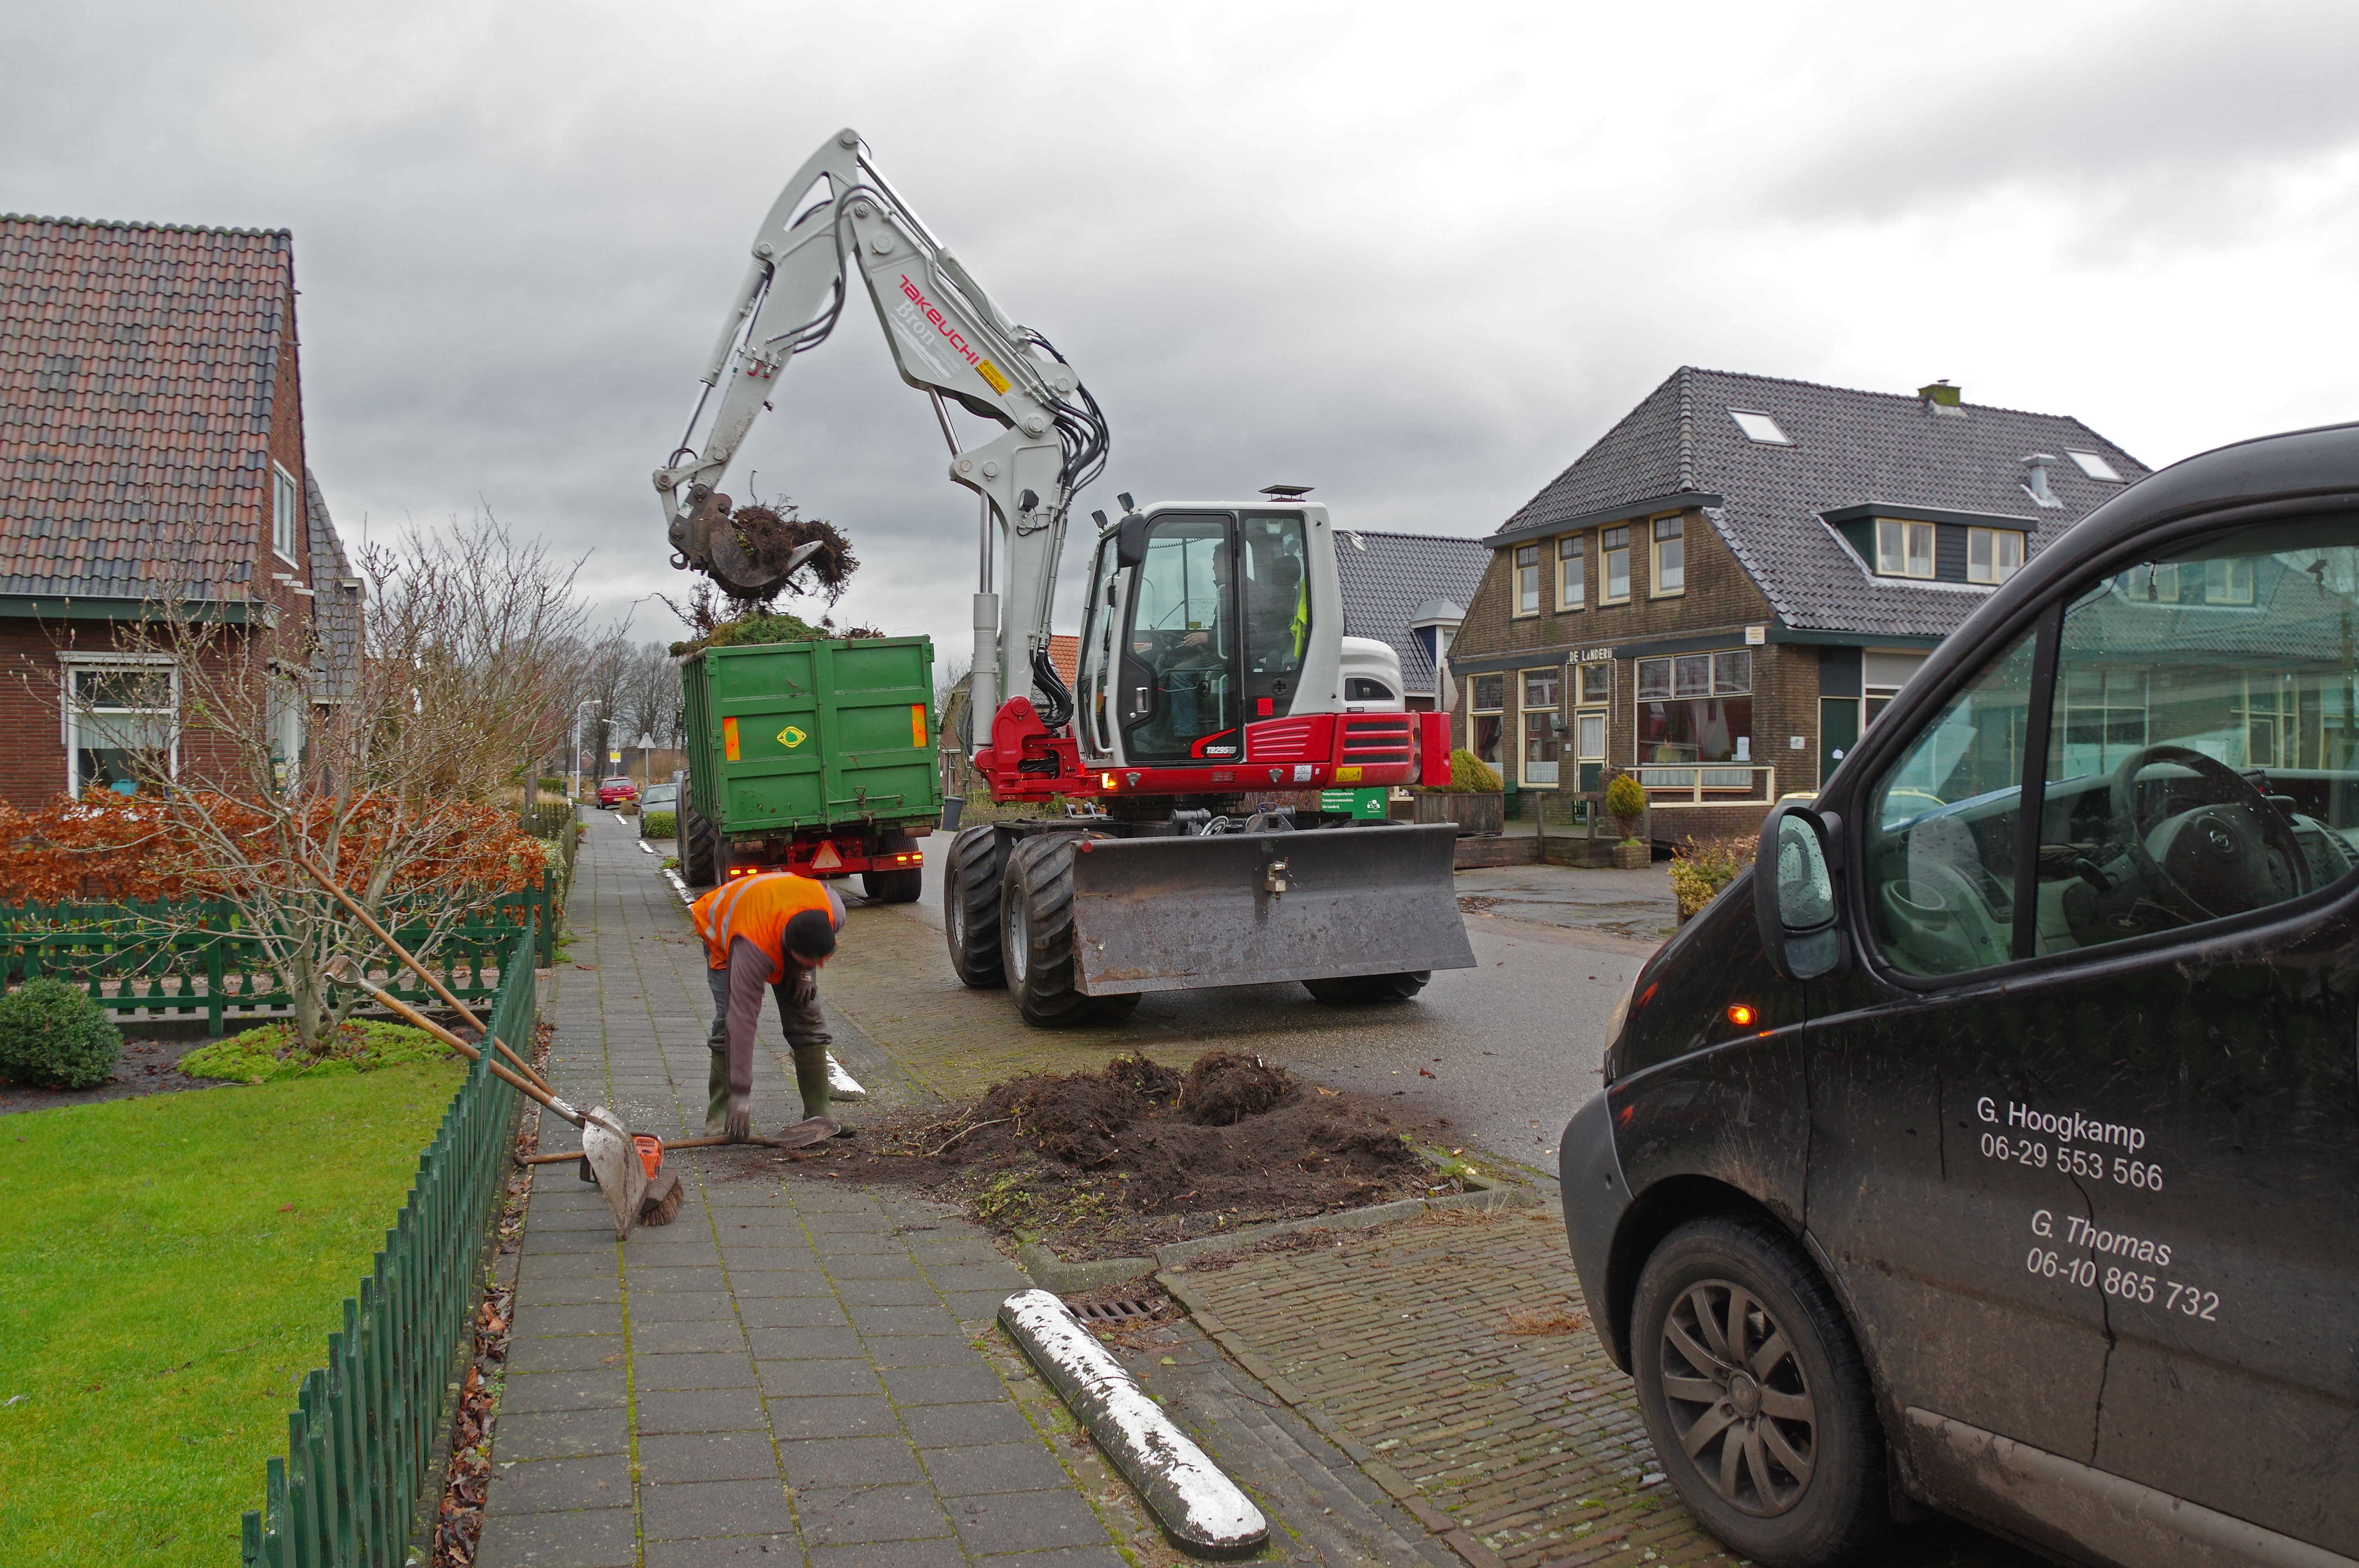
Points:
[(1179, 690), (1275, 589), (1097, 651)]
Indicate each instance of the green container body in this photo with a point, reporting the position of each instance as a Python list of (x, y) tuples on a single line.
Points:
[(828, 733)]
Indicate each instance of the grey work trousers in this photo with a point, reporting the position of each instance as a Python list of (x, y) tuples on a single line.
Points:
[(805, 1031)]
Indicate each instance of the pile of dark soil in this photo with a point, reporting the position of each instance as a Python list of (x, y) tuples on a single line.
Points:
[(770, 537), (1107, 1164)]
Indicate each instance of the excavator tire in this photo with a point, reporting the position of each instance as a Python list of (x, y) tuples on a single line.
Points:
[(1354, 989), (696, 842), (971, 880), (1035, 903), (894, 887)]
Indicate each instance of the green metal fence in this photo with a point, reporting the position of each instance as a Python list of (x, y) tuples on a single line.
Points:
[(367, 1424), (117, 952)]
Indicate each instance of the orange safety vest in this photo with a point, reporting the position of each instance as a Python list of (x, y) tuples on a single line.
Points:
[(757, 908)]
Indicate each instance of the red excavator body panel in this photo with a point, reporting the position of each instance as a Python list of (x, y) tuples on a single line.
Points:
[(1025, 760)]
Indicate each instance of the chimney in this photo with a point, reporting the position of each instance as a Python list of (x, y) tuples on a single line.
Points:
[(1940, 396), (2036, 484)]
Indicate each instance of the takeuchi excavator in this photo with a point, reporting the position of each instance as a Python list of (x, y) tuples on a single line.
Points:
[(1218, 694)]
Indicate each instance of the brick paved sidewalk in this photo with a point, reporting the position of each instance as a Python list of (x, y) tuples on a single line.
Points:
[(788, 1373)]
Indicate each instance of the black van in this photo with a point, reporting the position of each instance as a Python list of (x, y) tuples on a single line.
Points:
[(1993, 1143)]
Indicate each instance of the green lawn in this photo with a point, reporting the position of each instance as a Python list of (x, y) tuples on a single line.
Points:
[(170, 1269)]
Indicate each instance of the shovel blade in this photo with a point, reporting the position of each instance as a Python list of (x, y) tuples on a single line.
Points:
[(621, 1177), (803, 1134)]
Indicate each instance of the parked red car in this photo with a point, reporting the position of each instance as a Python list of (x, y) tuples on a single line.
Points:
[(615, 790)]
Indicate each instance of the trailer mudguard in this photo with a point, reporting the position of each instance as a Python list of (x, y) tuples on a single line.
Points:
[(1235, 909)]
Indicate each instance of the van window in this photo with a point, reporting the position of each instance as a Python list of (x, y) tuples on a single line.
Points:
[(2201, 759), (1941, 829)]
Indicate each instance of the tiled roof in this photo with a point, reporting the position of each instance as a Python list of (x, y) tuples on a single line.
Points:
[(1848, 448), (137, 370), (1065, 653), (335, 604), (1385, 577)]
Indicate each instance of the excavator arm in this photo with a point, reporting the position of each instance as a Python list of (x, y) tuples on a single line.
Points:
[(837, 217)]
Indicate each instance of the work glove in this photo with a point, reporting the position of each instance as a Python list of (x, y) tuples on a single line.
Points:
[(737, 1125)]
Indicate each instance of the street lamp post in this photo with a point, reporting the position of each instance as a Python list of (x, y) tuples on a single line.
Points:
[(586, 702)]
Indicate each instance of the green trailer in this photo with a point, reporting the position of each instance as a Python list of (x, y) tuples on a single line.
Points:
[(815, 757)]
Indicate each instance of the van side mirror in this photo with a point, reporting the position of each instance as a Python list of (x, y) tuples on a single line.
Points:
[(1130, 541), (1794, 895)]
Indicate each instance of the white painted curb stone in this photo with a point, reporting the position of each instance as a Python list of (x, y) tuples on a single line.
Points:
[(1205, 1511)]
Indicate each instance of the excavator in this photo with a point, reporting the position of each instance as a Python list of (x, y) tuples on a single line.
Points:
[(1218, 695)]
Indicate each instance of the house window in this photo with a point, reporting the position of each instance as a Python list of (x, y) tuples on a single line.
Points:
[(285, 511), (1570, 583), (1881, 676), (2151, 583), (2228, 581), (1543, 726), (1670, 564), (1594, 690), (1904, 550), (1486, 697), (1596, 684), (118, 726), (1696, 707), (1993, 555), (1614, 544), (2094, 466), (1758, 427), (2101, 715), (1528, 579)]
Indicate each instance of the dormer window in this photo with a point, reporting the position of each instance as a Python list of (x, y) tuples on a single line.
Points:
[(1903, 549), (1760, 426), (1993, 555), (2094, 466), (284, 513)]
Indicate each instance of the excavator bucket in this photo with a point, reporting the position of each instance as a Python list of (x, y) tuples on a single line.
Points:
[(1154, 914)]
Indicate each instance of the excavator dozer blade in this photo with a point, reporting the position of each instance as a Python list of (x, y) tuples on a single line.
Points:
[(1155, 914)]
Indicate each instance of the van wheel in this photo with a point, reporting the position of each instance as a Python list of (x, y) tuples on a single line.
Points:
[(1755, 1395), (971, 906), (1354, 989), (696, 856), (1035, 901)]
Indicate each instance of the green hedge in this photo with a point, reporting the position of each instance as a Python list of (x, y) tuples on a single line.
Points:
[(658, 824)]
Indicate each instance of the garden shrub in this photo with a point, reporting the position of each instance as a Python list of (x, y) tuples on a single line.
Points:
[(1700, 868), (1625, 801), (1470, 774), (57, 1036), (658, 824), (270, 1053), (555, 787)]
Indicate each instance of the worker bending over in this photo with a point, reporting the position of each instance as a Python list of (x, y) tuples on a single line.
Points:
[(776, 930)]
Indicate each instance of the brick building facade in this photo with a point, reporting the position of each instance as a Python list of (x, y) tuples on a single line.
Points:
[(1724, 589), (151, 453)]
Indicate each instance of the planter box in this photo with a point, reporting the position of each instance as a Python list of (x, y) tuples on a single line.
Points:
[(1633, 857), (1474, 814)]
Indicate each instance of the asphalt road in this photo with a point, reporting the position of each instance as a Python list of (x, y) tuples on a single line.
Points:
[(1507, 1051)]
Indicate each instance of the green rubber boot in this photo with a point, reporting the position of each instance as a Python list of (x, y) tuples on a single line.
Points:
[(716, 1089), (810, 1077)]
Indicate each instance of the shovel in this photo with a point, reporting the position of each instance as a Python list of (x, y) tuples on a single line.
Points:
[(621, 1177)]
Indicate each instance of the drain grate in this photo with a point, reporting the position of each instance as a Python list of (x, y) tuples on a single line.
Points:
[(1130, 1310)]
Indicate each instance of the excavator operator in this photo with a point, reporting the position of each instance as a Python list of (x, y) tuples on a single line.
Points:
[(772, 929)]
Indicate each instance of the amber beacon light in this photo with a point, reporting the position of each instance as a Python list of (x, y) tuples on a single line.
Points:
[(1741, 1015)]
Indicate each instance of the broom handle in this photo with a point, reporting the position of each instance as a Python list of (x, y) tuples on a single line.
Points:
[(382, 935), (428, 1025)]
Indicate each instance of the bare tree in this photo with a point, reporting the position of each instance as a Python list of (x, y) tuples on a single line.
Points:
[(387, 773)]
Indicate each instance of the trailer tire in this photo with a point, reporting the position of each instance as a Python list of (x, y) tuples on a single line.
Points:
[(696, 850), (971, 881), (1354, 989), (1035, 902), (894, 887)]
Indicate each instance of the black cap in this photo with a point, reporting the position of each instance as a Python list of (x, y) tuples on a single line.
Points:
[(811, 935)]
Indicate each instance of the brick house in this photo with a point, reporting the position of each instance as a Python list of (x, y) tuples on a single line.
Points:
[(151, 450), (1738, 576), (1408, 592)]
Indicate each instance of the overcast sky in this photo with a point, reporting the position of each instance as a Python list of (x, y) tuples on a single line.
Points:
[(1417, 256)]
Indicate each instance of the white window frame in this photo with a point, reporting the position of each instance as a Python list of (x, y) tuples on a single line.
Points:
[(1657, 574), (286, 514), (1524, 582), (1893, 537), (1768, 433), (1525, 713), (1985, 548), (70, 712), (2096, 465), (1572, 571), (1607, 550), (1475, 709)]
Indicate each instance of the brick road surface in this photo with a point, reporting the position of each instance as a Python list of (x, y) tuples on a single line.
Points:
[(790, 1372)]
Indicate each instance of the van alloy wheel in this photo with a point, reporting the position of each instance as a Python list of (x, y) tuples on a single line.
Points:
[(1738, 1398)]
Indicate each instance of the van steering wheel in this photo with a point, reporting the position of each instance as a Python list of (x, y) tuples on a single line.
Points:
[(2215, 854)]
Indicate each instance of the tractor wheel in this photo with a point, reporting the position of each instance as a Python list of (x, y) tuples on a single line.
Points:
[(1035, 902), (971, 906), (894, 887), (1351, 989), (696, 845)]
